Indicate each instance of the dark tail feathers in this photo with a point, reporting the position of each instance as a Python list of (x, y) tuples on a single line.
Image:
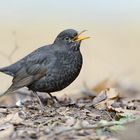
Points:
[(6, 71)]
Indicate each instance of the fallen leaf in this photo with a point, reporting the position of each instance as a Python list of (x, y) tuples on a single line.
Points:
[(112, 93), (125, 112), (70, 121), (101, 97), (106, 98), (12, 118), (6, 130)]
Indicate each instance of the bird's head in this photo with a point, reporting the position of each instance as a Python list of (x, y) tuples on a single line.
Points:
[(70, 39)]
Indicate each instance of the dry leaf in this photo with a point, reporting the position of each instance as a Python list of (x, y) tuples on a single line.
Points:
[(112, 93), (12, 118), (6, 130), (101, 97), (70, 121), (125, 112), (106, 98)]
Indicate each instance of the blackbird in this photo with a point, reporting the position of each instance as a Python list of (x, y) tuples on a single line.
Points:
[(49, 68)]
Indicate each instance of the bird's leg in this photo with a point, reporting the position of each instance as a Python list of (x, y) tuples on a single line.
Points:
[(53, 97), (33, 95), (41, 104)]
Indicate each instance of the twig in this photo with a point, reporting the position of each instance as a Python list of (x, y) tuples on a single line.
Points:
[(9, 56), (96, 126), (15, 47), (107, 113)]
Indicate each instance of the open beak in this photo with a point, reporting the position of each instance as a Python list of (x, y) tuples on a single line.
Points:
[(80, 38)]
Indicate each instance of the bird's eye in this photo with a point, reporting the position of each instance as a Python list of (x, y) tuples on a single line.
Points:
[(67, 38)]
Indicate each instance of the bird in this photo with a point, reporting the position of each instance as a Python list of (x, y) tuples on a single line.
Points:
[(49, 68)]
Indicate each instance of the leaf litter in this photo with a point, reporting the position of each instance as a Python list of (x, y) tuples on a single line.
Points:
[(104, 116)]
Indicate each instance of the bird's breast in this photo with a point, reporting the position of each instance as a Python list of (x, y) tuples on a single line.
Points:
[(65, 70)]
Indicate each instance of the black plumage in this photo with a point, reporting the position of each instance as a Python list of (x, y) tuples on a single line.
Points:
[(49, 68)]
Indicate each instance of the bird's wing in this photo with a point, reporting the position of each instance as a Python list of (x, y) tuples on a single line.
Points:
[(34, 67), (15, 67)]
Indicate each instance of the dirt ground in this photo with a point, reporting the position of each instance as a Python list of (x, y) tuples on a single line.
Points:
[(105, 112)]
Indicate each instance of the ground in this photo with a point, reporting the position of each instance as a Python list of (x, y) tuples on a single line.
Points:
[(103, 116)]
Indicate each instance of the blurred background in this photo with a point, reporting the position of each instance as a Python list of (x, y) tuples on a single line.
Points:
[(113, 25)]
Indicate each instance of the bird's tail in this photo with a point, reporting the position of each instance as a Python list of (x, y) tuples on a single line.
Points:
[(6, 71)]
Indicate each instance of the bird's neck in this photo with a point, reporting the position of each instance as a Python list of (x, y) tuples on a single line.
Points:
[(64, 47)]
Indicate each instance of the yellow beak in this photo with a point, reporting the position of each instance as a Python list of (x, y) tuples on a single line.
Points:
[(80, 38)]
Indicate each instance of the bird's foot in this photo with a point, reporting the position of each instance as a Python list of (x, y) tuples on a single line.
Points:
[(42, 107), (54, 99)]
